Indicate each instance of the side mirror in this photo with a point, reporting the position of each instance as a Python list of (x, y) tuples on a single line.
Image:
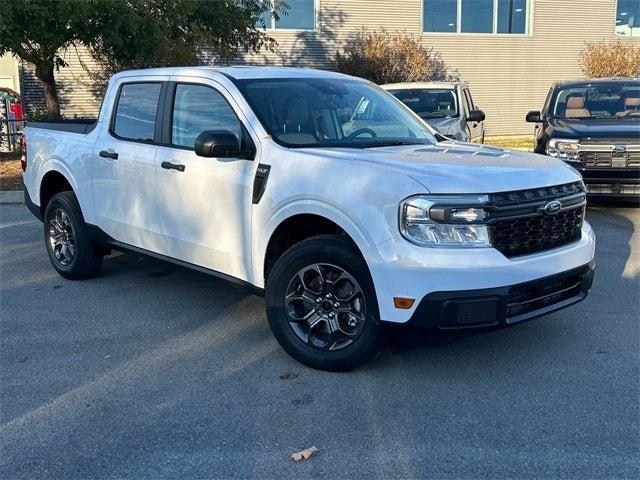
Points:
[(476, 116), (534, 116), (217, 144)]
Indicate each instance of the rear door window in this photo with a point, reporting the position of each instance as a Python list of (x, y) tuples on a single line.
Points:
[(135, 115)]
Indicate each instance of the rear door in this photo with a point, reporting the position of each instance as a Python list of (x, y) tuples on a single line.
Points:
[(475, 130), (124, 163), (203, 205)]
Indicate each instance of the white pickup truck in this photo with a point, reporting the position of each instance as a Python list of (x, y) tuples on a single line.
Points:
[(320, 191)]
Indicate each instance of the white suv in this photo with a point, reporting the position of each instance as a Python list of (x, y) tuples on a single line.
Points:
[(319, 190)]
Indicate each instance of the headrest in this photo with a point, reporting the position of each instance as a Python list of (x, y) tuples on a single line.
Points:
[(632, 101), (575, 102), (298, 111)]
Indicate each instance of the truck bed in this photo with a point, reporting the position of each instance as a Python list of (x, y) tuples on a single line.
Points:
[(80, 125)]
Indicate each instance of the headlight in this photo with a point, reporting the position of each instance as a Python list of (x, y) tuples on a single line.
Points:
[(562, 148), (445, 220)]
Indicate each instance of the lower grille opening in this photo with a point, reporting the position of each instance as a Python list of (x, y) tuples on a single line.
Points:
[(534, 296)]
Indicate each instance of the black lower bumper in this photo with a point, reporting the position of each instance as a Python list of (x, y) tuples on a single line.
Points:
[(504, 305), (33, 208), (622, 184)]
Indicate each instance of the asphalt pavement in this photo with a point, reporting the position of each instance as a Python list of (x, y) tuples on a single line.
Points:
[(150, 370)]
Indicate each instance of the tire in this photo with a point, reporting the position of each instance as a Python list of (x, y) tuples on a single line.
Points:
[(64, 226), (329, 265)]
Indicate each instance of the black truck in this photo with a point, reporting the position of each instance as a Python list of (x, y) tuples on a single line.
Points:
[(594, 125)]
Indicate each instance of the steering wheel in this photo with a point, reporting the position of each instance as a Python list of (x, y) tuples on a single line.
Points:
[(360, 131)]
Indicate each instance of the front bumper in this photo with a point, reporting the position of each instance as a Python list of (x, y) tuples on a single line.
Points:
[(504, 305), (610, 183), (401, 269)]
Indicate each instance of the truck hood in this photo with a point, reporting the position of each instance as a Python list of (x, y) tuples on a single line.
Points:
[(577, 128), (455, 167)]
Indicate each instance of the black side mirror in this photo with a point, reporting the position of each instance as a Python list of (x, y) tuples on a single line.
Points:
[(534, 116), (217, 144), (476, 116)]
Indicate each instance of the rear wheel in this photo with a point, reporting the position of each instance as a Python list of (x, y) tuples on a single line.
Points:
[(69, 246), (321, 304)]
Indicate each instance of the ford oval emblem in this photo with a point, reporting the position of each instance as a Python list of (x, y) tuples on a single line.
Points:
[(552, 208), (619, 148)]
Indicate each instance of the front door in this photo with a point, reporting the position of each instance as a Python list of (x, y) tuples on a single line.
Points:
[(124, 166), (203, 204)]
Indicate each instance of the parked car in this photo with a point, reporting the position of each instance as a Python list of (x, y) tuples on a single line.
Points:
[(345, 226), (447, 107), (594, 125)]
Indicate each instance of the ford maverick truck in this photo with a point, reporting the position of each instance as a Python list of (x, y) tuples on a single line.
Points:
[(320, 191)]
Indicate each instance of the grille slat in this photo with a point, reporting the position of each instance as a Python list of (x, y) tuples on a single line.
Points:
[(536, 231), (600, 153)]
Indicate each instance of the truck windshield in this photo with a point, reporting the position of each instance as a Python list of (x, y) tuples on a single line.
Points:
[(429, 102), (588, 101), (318, 112)]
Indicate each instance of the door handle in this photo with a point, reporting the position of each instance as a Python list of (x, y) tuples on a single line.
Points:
[(107, 154), (172, 166)]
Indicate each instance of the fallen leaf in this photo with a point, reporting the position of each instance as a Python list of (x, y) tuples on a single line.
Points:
[(304, 454), (288, 375)]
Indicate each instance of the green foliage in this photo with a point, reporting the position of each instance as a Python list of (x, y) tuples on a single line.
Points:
[(124, 34), (155, 33)]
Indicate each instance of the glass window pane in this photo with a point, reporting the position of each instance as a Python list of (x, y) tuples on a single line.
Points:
[(439, 15), (628, 18), (477, 16), (136, 111), (429, 103), (301, 15), (197, 108), (512, 16)]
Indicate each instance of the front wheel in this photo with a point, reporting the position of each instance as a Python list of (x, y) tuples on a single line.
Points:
[(321, 305)]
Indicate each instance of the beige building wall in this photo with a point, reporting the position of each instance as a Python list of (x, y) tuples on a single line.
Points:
[(9, 77), (508, 74)]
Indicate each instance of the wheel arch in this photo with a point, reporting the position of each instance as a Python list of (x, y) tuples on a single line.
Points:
[(287, 230), (53, 182)]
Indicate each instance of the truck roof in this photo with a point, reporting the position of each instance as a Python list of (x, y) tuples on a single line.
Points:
[(412, 85), (239, 72), (594, 81)]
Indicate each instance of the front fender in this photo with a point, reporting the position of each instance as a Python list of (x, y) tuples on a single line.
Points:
[(301, 206)]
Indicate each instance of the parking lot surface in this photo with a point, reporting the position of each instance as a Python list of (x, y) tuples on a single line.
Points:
[(150, 371)]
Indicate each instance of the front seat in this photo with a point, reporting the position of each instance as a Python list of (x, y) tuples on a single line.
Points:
[(631, 104), (575, 108), (298, 126)]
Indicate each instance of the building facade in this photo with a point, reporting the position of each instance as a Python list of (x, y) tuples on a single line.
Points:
[(508, 51)]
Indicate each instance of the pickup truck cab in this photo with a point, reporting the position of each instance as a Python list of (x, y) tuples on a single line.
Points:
[(594, 125), (446, 106), (346, 224)]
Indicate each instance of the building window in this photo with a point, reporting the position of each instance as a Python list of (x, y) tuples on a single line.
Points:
[(476, 16), (440, 16), (301, 15), (628, 18)]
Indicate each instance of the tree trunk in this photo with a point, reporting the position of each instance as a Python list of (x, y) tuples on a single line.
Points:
[(45, 75)]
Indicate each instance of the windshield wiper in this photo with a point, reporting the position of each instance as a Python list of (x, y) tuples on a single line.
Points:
[(389, 143)]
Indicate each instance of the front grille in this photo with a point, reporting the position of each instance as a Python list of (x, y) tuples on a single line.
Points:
[(533, 296), (520, 226), (610, 153)]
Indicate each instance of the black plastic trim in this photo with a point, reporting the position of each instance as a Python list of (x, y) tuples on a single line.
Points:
[(99, 237), (431, 311), (260, 182), (33, 208)]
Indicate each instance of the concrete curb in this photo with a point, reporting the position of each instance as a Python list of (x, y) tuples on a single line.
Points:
[(11, 196)]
